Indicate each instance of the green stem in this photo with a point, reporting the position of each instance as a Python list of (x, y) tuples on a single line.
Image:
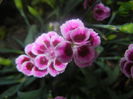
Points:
[(112, 18)]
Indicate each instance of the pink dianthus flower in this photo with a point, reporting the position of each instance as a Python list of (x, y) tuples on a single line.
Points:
[(101, 12), (40, 59), (126, 63), (44, 48), (80, 45)]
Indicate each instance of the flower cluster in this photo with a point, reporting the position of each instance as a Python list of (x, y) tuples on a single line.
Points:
[(50, 53), (126, 63), (101, 12), (79, 45), (40, 58)]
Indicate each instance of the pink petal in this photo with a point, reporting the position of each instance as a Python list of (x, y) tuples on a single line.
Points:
[(56, 40), (44, 39), (64, 52), (39, 48), (40, 38), (84, 56), (80, 34), (41, 62), (94, 38), (52, 71), (39, 73), (28, 50), (27, 68), (52, 34), (59, 66), (130, 46), (69, 26), (20, 60)]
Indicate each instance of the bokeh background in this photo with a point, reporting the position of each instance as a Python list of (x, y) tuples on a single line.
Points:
[(21, 21)]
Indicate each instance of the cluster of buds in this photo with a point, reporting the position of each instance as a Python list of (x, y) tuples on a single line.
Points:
[(126, 63), (50, 53)]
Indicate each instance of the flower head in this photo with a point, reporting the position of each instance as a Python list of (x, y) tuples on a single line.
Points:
[(126, 63), (101, 12), (46, 59), (69, 26), (40, 59), (80, 45)]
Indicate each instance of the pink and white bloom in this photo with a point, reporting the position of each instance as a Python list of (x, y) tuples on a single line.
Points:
[(69, 26), (46, 60), (101, 12), (80, 45), (80, 35)]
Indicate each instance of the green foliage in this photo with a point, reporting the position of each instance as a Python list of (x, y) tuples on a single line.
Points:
[(29, 95), (5, 62), (33, 11), (126, 28), (31, 34), (125, 7), (2, 32), (19, 4)]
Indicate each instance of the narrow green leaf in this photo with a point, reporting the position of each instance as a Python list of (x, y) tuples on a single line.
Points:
[(51, 3), (70, 5), (111, 36), (8, 82), (18, 4), (29, 80), (9, 92), (30, 37), (4, 50), (29, 95), (19, 42), (5, 62), (33, 11)]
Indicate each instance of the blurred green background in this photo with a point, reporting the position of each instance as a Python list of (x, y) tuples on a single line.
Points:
[(21, 21)]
